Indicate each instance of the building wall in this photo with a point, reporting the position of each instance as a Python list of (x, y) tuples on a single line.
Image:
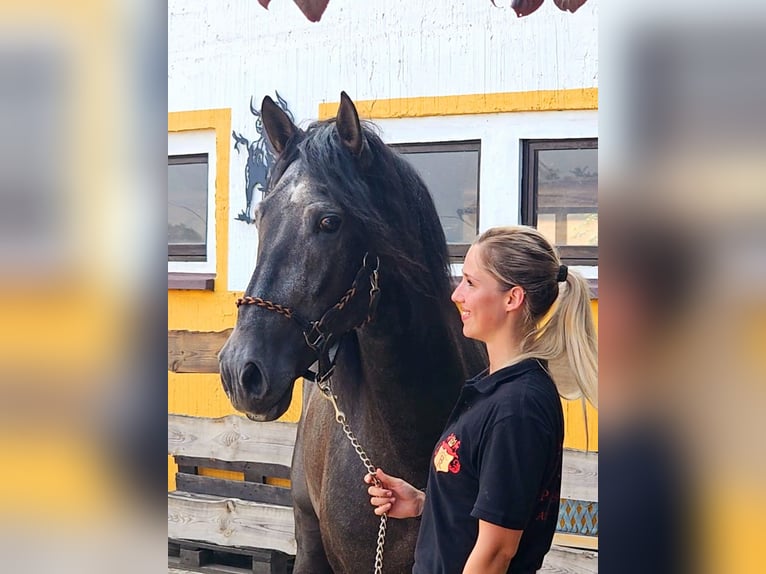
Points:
[(423, 71)]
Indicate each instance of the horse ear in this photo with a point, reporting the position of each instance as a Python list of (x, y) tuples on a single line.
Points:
[(348, 126), (279, 127)]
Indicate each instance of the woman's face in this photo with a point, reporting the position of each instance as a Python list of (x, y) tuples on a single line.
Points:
[(482, 300)]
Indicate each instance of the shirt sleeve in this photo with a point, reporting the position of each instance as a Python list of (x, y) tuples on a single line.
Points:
[(512, 460)]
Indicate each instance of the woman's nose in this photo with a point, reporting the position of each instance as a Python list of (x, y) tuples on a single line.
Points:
[(457, 294)]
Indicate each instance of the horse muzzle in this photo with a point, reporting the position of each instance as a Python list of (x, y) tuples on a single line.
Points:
[(250, 387)]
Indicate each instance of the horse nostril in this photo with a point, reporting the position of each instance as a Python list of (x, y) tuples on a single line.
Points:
[(253, 381)]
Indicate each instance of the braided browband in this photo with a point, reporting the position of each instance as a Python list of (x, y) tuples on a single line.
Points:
[(258, 302), (314, 332)]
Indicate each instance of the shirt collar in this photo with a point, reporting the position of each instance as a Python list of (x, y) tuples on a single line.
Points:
[(485, 383)]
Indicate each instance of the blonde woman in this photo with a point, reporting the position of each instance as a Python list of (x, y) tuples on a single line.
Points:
[(492, 498)]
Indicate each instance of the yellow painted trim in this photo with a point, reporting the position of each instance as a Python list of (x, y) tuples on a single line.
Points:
[(221, 473), (532, 101), (575, 541), (220, 121)]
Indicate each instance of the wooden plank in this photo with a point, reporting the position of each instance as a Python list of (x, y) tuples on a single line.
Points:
[(195, 351), (231, 438), (230, 522), (579, 478), (271, 562), (562, 560), (194, 558), (576, 541), (228, 559), (254, 471), (234, 489)]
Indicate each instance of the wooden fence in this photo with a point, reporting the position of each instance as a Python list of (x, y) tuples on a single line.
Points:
[(248, 514)]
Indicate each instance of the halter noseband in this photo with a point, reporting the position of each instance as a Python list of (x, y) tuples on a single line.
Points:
[(321, 340)]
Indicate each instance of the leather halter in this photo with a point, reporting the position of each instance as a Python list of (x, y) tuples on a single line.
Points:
[(318, 334)]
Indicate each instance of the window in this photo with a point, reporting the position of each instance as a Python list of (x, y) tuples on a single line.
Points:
[(187, 207), (560, 195), (451, 173)]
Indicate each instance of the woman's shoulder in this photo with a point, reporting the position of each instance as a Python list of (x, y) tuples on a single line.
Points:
[(527, 394)]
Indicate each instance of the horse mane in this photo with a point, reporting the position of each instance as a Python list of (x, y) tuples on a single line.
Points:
[(384, 197)]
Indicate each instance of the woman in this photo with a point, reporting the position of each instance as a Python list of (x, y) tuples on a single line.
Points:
[(492, 499)]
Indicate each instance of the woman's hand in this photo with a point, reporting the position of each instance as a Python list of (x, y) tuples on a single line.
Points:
[(394, 496)]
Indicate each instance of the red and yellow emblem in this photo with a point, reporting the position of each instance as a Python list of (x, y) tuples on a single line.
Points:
[(446, 458)]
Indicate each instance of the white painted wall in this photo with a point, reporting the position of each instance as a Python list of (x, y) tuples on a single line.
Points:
[(372, 49), (222, 53)]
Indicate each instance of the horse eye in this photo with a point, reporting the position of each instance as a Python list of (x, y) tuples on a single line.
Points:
[(329, 223)]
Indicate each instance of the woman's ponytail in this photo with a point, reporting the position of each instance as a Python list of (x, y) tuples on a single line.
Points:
[(559, 320)]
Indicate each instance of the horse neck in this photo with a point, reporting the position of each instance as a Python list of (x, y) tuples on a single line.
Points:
[(411, 374)]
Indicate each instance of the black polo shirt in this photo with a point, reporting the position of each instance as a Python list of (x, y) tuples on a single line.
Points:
[(498, 460)]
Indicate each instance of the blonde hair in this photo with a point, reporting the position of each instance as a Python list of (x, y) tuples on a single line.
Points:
[(523, 256)]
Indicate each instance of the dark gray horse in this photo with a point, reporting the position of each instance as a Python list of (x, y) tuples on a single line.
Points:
[(344, 214)]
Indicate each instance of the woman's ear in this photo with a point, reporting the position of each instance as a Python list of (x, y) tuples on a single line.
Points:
[(514, 298)]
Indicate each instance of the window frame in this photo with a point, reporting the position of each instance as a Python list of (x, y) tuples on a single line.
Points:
[(194, 133), (457, 251), (191, 252), (570, 254)]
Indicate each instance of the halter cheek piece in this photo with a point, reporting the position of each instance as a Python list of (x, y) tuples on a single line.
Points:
[(319, 334)]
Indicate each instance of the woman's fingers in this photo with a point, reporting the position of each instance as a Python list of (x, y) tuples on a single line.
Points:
[(380, 497), (380, 501), (378, 491)]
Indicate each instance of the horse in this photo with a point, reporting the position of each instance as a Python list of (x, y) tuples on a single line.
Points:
[(352, 273)]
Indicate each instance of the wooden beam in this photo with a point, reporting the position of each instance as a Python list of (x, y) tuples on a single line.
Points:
[(253, 491), (575, 541), (579, 477), (195, 351), (229, 558), (254, 471), (230, 522), (570, 561), (231, 438)]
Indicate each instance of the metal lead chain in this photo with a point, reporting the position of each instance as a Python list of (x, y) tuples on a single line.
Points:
[(340, 416)]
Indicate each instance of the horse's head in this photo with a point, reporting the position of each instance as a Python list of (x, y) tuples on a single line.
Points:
[(310, 251)]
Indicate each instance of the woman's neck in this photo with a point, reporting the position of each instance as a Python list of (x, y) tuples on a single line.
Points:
[(502, 353)]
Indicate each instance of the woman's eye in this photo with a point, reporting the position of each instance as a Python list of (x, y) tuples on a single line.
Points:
[(329, 223)]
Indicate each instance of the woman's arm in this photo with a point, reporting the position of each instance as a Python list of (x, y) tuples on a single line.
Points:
[(494, 549)]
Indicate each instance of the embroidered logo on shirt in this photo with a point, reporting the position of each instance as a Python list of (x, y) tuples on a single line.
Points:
[(446, 458)]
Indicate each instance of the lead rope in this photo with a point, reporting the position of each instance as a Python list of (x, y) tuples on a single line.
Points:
[(340, 416)]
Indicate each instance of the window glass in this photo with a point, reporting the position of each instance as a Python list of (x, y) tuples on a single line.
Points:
[(451, 173), (567, 195), (187, 206), (560, 195)]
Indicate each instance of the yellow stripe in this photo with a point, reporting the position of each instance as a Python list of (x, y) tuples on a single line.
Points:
[(202, 310), (221, 473), (574, 421), (202, 395), (532, 101), (220, 121)]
